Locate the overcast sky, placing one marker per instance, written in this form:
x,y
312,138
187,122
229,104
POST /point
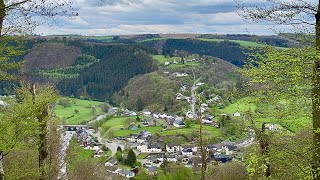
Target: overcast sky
x,y
115,17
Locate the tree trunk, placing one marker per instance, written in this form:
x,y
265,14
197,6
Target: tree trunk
x,y
316,101
2,176
2,15
203,152
42,150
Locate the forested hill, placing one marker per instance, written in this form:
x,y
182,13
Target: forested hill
x,y
111,73
88,70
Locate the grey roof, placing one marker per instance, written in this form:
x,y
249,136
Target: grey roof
x,y
152,169
187,150
158,145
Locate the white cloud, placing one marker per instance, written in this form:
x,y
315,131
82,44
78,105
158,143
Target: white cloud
x,y
106,17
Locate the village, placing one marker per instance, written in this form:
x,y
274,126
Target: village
x,y
151,153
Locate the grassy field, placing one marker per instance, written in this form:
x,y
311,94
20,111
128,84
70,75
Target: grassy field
x,y
210,130
116,123
292,124
242,105
84,108
160,58
242,43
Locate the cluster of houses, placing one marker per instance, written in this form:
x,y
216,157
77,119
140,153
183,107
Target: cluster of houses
x,y
187,155
89,143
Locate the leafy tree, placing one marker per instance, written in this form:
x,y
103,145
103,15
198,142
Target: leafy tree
x,y
94,110
128,122
297,12
28,119
140,104
65,102
138,119
131,158
119,154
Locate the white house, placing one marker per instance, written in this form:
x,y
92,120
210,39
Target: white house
x,y
171,158
125,173
187,152
156,147
237,114
2,103
167,63
189,115
111,162
172,148
143,148
272,127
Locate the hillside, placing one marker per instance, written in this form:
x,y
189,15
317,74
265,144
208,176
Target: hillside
x,y
51,55
158,90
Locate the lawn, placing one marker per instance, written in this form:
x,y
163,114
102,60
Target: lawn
x,y
116,123
242,105
213,131
84,113
160,58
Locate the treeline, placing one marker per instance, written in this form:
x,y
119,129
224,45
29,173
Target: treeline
x,y
117,65
269,40
226,50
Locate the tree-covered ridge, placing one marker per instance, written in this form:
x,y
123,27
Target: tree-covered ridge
x,y
117,65
229,51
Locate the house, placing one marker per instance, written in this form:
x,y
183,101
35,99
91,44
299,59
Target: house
x,y
155,115
111,162
272,127
189,115
127,112
132,138
143,147
156,147
112,169
187,152
2,103
170,121
173,148
125,173
167,63
144,133
237,114
133,127
157,156
222,158
152,170
179,124
146,113
171,158
148,122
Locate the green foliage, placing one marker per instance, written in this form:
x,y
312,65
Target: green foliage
x,y
65,102
11,49
116,66
82,116
140,105
176,172
131,158
119,155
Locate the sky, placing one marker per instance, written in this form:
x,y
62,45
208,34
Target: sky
x,y
118,17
